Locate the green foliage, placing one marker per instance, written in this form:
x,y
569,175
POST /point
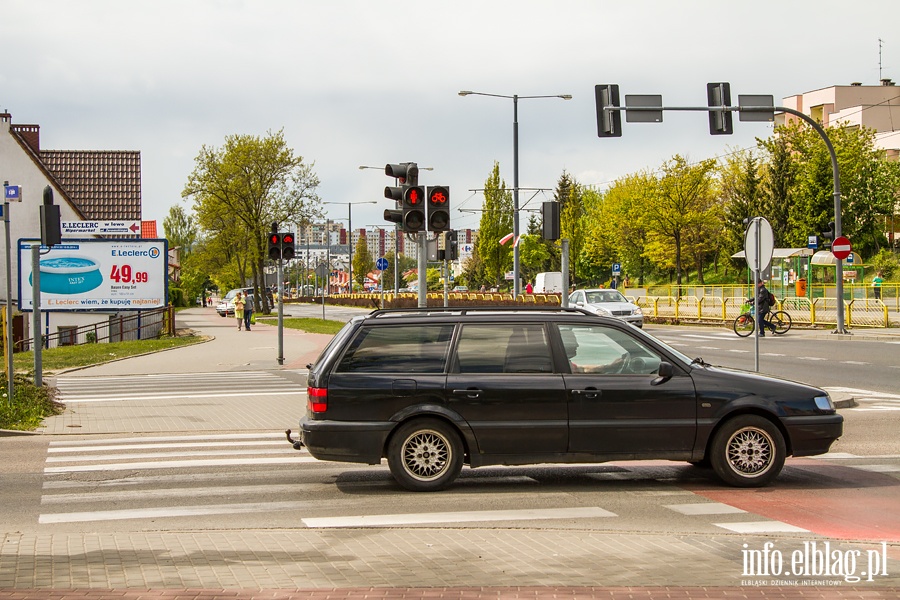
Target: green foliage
x,y
887,263
309,325
176,297
69,357
362,262
493,259
28,407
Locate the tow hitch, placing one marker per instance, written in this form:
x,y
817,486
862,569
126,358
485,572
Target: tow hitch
x,y
297,444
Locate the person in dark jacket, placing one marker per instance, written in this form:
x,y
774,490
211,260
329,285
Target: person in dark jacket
x,y
249,307
762,308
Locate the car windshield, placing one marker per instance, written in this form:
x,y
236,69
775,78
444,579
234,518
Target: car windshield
x,y
602,296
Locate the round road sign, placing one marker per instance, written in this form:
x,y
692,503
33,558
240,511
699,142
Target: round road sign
x,y
841,248
382,264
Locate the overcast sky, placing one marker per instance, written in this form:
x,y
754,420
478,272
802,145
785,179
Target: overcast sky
x,y
369,82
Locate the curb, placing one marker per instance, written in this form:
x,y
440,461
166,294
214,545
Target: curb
x,y
106,362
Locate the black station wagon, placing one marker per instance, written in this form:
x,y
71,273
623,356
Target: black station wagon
x,y
433,389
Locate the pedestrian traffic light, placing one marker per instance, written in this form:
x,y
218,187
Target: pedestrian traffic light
x,y
609,122
51,233
274,245
438,208
287,246
720,121
413,209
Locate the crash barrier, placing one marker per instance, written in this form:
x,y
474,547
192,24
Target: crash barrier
x,y
817,311
140,325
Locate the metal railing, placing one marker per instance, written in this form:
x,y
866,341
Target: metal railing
x,y
142,325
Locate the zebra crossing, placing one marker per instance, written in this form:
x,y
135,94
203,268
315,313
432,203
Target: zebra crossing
x,y
169,386
260,476
870,400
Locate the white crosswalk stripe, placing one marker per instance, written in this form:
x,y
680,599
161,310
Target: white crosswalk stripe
x,y
73,389
870,400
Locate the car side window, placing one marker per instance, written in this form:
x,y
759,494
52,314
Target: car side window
x,y
516,348
398,348
576,297
608,350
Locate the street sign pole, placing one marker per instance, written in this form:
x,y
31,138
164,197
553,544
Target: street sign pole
x,y
37,343
280,303
10,370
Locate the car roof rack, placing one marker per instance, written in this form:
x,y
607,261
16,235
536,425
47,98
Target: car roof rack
x,y
464,310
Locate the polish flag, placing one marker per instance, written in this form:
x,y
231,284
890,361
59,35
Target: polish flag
x,y
506,238
517,241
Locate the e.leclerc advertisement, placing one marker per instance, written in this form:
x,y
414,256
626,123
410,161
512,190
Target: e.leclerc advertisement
x,y
96,275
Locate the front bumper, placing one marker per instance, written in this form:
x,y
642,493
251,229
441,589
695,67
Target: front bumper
x,y
810,436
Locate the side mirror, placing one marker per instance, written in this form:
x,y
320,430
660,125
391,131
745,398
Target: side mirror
x,y
665,373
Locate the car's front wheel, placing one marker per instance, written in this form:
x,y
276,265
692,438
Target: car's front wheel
x,y
425,455
748,451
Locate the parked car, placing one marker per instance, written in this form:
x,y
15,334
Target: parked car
x,y
608,303
433,389
461,288
225,307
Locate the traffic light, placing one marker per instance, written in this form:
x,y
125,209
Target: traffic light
x,y
50,228
550,214
828,234
287,246
609,122
452,243
438,208
275,245
720,122
413,209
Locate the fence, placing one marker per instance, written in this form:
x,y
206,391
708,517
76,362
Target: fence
x,y
141,325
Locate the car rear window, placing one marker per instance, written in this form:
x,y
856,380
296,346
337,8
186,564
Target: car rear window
x,y
398,348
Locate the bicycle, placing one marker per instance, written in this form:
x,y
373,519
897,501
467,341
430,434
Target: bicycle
x,y
745,322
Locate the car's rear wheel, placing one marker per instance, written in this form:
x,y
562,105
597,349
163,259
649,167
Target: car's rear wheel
x,y
748,451
425,455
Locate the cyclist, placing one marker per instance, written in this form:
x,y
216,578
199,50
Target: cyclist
x,y
763,307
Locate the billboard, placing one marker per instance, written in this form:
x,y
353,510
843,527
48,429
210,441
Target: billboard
x,y
96,274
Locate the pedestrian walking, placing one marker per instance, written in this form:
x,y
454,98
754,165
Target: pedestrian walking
x,y
249,306
239,309
877,281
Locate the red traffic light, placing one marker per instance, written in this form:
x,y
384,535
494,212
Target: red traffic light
x,y
287,238
437,196
412,196
274,238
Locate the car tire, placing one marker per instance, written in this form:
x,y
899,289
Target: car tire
x,y
425,455
748,451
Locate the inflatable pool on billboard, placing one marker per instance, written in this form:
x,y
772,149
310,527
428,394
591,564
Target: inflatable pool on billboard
x,y
69,275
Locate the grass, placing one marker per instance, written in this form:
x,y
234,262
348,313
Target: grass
x,y
69,357
309,325
29,407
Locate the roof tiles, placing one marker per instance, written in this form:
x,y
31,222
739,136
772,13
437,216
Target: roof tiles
x,y
103,184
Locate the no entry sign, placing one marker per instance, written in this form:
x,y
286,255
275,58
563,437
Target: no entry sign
x,y
841,248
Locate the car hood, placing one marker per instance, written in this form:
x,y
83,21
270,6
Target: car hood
x,y
737,383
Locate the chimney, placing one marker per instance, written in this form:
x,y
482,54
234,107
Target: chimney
x,y
887,82
31,134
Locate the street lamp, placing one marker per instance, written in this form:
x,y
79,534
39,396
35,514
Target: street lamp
x,y
396,232
515,98
350,236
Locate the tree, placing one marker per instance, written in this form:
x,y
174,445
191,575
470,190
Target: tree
x,y
680,205
362,262
387,276
741,194
496,222
239,190
180,230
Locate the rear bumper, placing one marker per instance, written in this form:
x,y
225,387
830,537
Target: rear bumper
x,y
345,441
813,435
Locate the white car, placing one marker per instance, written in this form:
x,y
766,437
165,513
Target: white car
x,y
225,307
608,303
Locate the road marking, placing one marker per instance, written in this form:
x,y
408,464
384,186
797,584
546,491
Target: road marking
x,y
705,508
284,449
189,492
183,464
172,438
137,446
854,362
181,511
738,351
879,468
810,358
69,399
761,527
587,512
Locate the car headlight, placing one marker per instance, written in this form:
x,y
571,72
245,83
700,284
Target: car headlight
x,y
602,311
637,311
824,402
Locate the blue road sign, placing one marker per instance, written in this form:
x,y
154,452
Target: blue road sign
x,y
13,193
617,268
382,264
812,242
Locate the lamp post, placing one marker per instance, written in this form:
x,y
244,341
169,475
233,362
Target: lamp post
x,y
396,232
350,237
515,98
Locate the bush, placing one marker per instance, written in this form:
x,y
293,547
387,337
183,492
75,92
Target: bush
x,y
30,405
176,297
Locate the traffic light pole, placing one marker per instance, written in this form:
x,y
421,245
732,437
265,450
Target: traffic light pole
x,y
36,312
10,370
280,303
423,266
836,177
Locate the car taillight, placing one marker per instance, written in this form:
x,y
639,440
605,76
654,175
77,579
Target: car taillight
x,y
317,399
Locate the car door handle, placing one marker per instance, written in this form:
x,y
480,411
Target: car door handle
x,y
469,393
588,393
